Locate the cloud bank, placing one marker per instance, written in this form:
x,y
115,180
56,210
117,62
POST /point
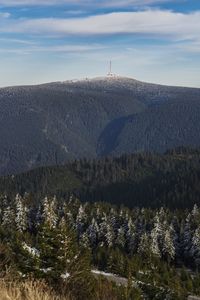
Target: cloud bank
x,y
151,22
111,3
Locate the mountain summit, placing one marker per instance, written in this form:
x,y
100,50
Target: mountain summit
x,y
51,123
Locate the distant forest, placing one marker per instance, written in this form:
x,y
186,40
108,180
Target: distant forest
x,y
54,123
152,180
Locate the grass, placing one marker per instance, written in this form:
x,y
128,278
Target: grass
x,y
39,290
28,290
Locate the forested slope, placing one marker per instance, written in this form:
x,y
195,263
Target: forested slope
x,y
52,123
145,180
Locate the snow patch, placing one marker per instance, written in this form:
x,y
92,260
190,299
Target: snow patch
x,y
65,275
46,270
63,147
33,251
103,273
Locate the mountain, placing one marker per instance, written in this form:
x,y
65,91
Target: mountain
x,y
51,123
160,127
171,180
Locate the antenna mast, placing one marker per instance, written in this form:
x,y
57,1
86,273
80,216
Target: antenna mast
x,y
110,74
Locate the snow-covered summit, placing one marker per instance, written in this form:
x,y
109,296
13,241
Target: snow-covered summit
x,y
112,77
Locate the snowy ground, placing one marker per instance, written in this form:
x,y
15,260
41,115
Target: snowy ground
x,y
124,281
111,277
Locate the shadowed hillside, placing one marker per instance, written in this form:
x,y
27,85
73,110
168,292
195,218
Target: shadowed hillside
x,y
52,123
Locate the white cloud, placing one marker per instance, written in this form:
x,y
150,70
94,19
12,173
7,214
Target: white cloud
x,y
111,3
124,3
144,61
16,41
150,22
4,15
69,48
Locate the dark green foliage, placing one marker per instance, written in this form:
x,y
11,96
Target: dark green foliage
x,y
143,180
62,241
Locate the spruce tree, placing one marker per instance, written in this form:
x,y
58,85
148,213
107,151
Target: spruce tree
x,y
21,216
196,247
168,249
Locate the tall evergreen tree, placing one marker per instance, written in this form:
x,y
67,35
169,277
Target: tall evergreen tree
x,y
195,249
168,249
156,235
131,237
49,214
21,218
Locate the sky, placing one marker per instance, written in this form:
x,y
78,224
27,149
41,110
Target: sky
x,y
56,40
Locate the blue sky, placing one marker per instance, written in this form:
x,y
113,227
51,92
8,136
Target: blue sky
x,y
56,40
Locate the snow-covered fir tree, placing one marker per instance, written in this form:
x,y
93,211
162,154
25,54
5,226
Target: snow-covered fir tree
x,y
93,231
84,240
195,211
131,237
195,249
103,229
120,240
156,235
143,246
187,238
110,235
21,218
168,249
81,220
49,214
8,217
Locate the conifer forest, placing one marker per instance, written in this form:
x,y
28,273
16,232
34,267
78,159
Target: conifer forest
x,y
53,238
